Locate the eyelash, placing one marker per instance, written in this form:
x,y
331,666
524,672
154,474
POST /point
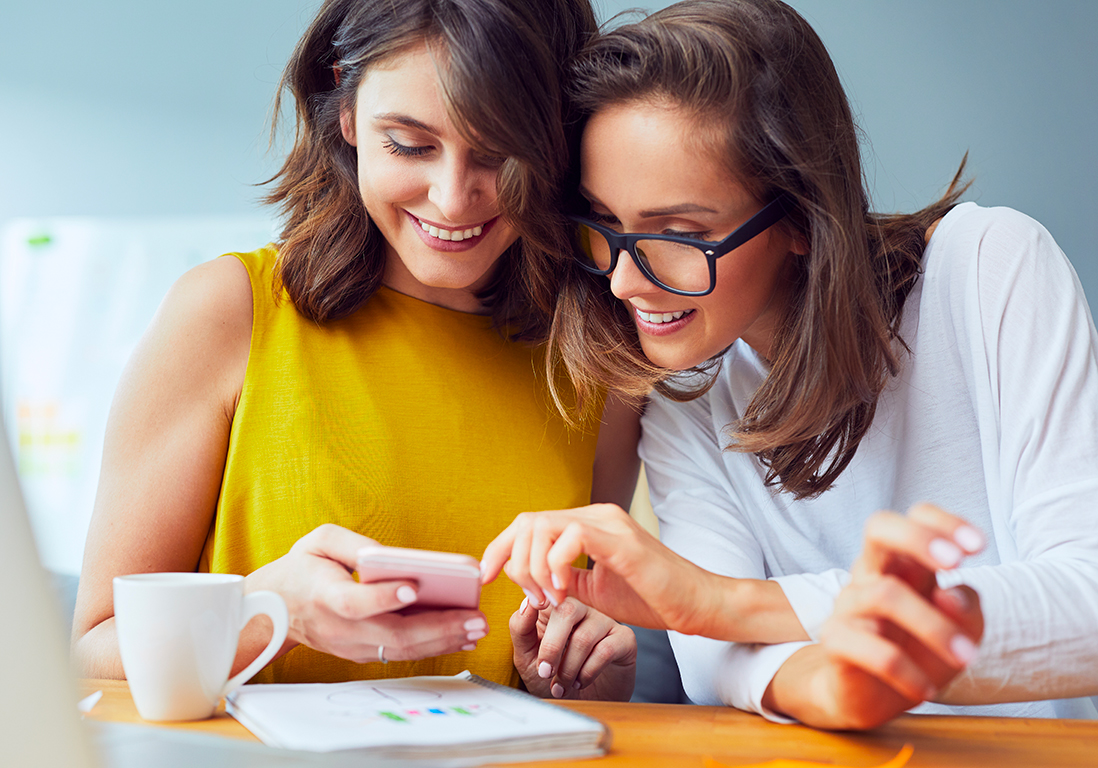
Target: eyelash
x,y
609,221
603,218
395,148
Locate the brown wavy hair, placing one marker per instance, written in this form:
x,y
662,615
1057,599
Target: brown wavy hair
x,y
501,64
757,78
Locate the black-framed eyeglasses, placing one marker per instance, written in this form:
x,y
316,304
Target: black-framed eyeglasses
x,y
686,266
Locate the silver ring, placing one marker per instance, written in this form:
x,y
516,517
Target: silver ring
x,y
381,654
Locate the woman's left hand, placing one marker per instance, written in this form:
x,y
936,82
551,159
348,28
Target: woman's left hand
x,y
895,638
573,651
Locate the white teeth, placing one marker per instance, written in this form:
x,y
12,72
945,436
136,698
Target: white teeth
x,y
450,234
661,317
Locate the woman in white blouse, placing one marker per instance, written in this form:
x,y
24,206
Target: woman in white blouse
x,y
834,363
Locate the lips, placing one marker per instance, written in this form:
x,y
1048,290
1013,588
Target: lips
x,y
454,239
661,323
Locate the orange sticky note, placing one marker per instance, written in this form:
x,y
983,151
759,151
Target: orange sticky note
x,y
898,761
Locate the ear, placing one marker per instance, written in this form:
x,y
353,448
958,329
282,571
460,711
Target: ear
x,y
799,244
347,125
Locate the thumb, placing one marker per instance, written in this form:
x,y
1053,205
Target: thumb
x,y
524,632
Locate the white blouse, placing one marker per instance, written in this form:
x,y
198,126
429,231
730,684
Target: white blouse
x,y
994,417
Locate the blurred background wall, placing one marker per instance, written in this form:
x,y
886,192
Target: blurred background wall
x,y
126,109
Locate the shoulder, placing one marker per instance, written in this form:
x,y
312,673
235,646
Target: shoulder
x,y
992,255
216,295
201,334
972,237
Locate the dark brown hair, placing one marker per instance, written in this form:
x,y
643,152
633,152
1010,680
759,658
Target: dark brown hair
x,y
758,78
501,64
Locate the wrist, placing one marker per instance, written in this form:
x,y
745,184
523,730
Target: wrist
x,y
792,691
751,611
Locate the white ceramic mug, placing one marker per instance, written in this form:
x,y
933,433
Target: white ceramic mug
x,y
178,633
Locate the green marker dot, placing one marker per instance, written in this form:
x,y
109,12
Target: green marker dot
x,y
39,240
394,716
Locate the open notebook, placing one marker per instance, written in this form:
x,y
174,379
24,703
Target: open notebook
x,y
463,720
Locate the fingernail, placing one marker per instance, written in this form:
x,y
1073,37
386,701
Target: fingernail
x,y
576,685
557,690
469,647
945,552
964,650
545,670
473,636
552,600
406,594
535,601
475,623
556,582
522,608
970,539
960,597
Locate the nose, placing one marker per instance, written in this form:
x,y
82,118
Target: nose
x,y
627,281
458,187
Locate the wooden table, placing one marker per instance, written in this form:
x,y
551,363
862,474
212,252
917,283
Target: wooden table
x,y
680,736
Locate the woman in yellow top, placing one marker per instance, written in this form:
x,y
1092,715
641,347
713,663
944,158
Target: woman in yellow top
x,y
377,375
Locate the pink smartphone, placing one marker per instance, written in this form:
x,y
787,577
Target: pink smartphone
x,y
445,579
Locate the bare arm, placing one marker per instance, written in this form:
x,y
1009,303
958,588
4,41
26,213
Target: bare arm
x,y
165,448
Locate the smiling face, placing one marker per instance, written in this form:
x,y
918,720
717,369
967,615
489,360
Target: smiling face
x,y
432,196
641,173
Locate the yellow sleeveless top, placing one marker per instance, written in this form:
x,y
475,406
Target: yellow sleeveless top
x,y
415,425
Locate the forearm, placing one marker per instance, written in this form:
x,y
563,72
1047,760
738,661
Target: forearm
x,y
751,611
1041,618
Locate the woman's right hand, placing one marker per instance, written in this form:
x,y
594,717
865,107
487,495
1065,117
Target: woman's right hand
x,y
635,579
332,612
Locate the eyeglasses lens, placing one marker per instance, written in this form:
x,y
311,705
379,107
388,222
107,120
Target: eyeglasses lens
x,y
676,265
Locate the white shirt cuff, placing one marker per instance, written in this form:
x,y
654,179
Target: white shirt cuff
x,y
812,596
745,673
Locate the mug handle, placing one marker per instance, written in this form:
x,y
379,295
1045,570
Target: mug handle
x,y
255,603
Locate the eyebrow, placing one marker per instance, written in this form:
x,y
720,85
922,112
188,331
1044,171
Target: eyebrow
x,y
673,210
410,122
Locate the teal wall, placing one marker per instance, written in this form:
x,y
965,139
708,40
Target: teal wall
x,y
125,107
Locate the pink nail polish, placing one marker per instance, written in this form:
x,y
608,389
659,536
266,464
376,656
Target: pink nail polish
x,y
556,582
469,647
473,624
545,670
557,690
970,539
477,635
964,650
945,552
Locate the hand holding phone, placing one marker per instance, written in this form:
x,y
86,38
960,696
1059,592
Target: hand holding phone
x,y
445,579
